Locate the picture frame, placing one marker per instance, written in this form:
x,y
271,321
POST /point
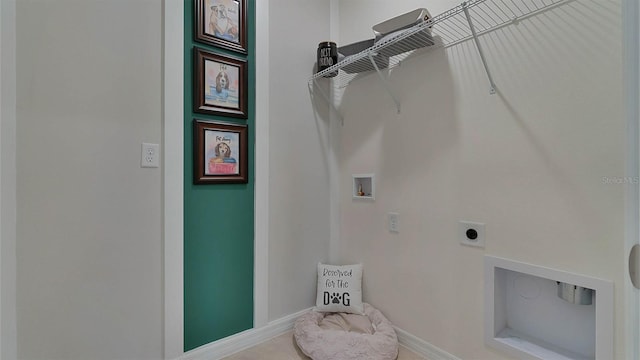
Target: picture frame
x,y
220,153
222,23
221,84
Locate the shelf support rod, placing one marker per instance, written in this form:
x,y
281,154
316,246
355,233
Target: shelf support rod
x,y
326,98
385,84
465,8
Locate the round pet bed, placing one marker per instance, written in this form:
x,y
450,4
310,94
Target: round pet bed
x,y
342,336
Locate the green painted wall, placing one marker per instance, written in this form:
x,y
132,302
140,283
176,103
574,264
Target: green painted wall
x,y
218,221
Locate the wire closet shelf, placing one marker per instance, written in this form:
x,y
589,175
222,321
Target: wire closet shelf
x,y
466,21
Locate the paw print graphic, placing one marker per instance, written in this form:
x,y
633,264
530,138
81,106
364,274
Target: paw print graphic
x,y
335,298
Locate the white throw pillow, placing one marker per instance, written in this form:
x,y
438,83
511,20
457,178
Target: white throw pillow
x,y
339,289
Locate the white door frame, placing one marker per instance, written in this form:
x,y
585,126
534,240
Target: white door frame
x,y
173,135
173,178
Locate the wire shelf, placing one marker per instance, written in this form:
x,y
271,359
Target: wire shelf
x,y
461,23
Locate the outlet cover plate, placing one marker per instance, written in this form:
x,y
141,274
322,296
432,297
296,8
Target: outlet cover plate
x,y
150,155
471,233
393,222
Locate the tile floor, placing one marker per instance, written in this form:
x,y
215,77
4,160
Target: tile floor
x,y
284,347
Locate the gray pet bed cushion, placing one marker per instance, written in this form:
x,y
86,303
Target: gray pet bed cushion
x,y
341,336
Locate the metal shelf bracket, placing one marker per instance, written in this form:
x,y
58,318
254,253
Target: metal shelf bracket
x,y
325,96
492,85
384,82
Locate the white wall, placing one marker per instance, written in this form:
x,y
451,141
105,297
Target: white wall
x,y
89,218
8,342
519,161
529,162
631,45
298,164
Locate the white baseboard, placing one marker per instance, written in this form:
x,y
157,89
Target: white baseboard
x,y
422,347
246,339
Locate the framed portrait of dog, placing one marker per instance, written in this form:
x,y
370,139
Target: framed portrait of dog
x,y
220,152
221,84
222,23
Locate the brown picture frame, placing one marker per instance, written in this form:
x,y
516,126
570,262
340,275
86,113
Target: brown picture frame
x,y
222,23
211,95
220,153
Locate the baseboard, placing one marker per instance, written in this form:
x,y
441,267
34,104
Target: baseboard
x,y
422,347
246,339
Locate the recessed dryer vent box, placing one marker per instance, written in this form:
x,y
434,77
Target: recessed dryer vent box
x,y
530,314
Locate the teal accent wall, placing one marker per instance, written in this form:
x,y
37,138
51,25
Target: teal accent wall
x,y
218,220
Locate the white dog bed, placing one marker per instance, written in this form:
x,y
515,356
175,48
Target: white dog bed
x,y
344,336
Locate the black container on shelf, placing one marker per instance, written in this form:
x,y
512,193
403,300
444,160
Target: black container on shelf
x,y
327,57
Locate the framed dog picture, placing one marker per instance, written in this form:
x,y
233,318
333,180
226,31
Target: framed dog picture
x,y
222,23
221,84
220,152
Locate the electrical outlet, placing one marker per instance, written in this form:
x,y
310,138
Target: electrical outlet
x,y
150,157
471,233
393,222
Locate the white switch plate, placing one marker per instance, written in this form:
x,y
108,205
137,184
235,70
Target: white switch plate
x,y
471,233
150,156
393,222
